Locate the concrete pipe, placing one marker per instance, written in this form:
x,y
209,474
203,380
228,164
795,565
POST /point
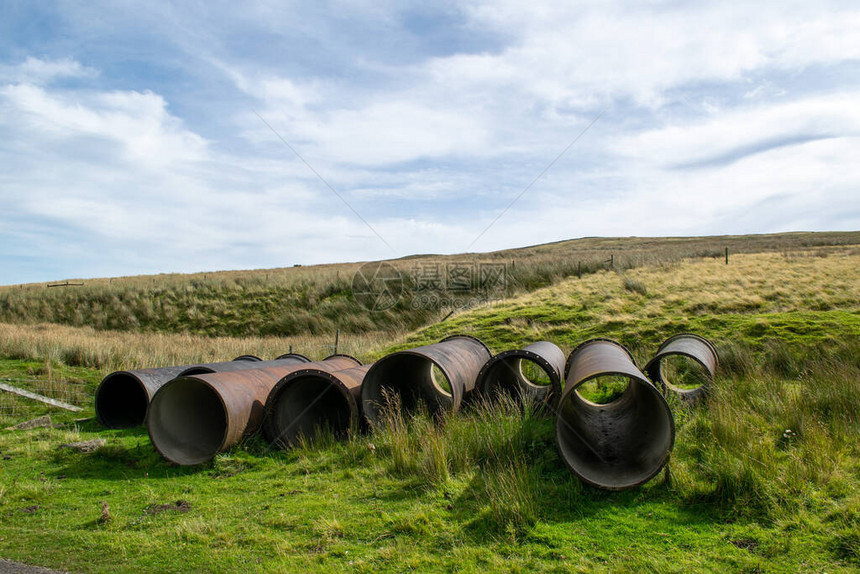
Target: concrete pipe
x,y
620,444
409,375
685,364
309,400
192,418
533,373
123,396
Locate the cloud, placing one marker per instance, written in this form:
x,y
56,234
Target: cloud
x,y
726,136
143,151
41,72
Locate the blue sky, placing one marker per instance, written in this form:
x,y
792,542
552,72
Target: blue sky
x,y
131,138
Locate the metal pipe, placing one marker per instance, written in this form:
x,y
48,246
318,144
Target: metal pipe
x,y
122,397
192,418
242,363
693,347
504,373
408,375
617,445
309,400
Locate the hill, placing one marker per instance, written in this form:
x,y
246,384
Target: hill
x,y
316,300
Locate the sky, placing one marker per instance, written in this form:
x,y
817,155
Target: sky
x,y
153,137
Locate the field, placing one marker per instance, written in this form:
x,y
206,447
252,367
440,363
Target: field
x,y
765,476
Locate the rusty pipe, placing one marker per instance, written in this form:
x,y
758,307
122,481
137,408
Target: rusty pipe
x,y
409,376
194,417
504,373
122,397
242,363
693,347
621,444
310,399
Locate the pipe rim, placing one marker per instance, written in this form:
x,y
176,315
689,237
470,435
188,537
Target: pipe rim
x,y
334,355
225,411
483,381
303,358
269,427
660,400
371,405
654,370
99,396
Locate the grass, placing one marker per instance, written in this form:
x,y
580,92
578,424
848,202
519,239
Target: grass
x,y
765,476
318,300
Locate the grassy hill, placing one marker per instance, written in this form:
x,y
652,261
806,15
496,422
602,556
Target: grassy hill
x,y
485,490
318,300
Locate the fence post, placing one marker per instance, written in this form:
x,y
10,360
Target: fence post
x,y
579,269
727,255
336,340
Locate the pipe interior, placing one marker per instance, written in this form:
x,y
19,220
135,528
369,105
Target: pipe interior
x,y
620,444
121,401
308,405
683,372
603,389
187,421
517,377
407,379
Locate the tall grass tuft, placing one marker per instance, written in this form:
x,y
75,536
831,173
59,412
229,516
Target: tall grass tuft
x,y
765,444
503,439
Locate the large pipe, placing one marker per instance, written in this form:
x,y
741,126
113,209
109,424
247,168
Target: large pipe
x,y
409,376
192,418
504,373
123,396
242,363
310,399
617,445
693,347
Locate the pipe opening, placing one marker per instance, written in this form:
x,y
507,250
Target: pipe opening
x,y
516,377
603,389
187,421
408,381
616,445
533,374
440,381
683,373
121,401
307,407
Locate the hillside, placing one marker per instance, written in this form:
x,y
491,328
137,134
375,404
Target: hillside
x,y
318,300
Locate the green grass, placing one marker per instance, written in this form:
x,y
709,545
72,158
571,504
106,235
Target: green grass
x,y
483,490
765,475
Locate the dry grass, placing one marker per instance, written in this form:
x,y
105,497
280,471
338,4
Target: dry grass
x,y
319,299
112,350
